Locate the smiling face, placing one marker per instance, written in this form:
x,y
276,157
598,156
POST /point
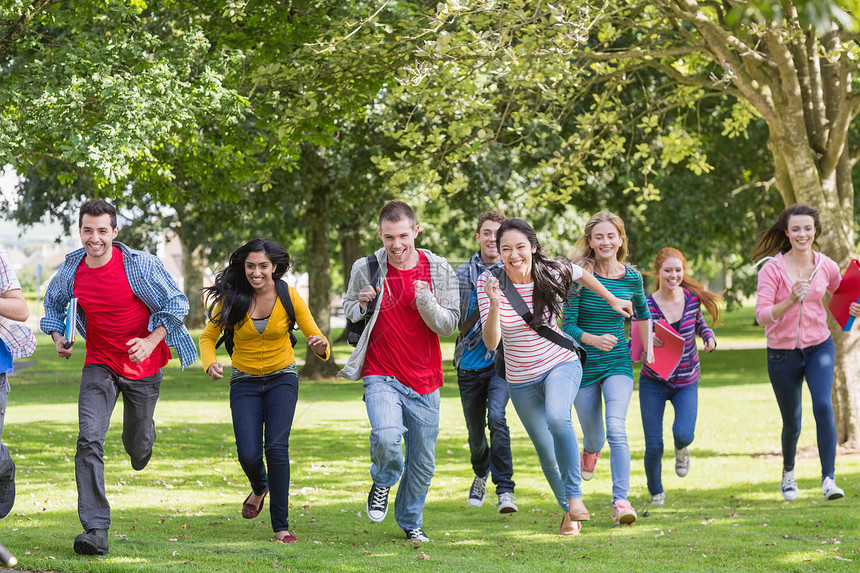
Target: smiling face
x,y
605,240
517,251
398,238
97,237
671,273
487,241
258,270
800,232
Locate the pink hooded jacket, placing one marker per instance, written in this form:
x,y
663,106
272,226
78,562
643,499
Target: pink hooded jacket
x,y
805,323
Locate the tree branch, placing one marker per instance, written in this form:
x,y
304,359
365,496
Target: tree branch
x,y
19,26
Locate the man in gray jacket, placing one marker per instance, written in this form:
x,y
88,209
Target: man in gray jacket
x,y
399,358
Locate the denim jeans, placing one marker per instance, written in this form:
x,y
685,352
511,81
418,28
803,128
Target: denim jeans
x,y
100,388
653,396
786,369
544,407
4,398
266,405
484,395
615,392
399,414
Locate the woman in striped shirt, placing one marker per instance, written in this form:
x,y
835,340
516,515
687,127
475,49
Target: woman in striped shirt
x,y
678,299
608,373
543,377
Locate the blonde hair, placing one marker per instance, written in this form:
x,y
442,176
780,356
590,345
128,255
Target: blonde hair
x,y
583,254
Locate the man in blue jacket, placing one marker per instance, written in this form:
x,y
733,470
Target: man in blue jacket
x,y
483,393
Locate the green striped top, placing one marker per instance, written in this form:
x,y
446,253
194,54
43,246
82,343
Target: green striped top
x,y
585,311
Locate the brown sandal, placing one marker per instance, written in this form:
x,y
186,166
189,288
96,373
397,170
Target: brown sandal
x,y
568,527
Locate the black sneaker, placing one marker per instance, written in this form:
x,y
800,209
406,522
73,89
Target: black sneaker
x,y
93,542
138,465
7,488
478,491
417,535
377,503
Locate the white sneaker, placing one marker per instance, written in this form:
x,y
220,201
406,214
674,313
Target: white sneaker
x,y
682,462
658,498
829,489
789,486
506,503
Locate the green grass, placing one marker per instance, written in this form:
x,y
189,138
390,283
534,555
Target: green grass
x,y
182,512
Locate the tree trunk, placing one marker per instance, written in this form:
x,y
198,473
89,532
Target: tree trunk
x,y
318,256
193,263
350,250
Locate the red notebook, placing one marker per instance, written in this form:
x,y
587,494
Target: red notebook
x,y
668,356
848,292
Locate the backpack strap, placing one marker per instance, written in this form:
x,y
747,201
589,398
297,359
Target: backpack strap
x,y
522,309
373,267
287,301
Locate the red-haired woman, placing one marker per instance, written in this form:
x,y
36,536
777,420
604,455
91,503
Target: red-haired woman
x,y
678,299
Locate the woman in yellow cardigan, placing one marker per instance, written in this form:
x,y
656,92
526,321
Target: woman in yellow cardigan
x,y
264,383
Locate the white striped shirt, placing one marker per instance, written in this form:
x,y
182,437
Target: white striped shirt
x,y
528,355
17,335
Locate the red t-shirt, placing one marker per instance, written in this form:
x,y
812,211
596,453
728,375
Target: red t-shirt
x,y
401,345
115,316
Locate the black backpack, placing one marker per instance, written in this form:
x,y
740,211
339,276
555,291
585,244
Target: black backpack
x,y
355,329
283,294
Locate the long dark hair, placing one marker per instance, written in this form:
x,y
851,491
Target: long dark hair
x,y
232,291
774,240
549,292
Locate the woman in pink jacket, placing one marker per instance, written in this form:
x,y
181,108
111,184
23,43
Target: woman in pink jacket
x,y
791,288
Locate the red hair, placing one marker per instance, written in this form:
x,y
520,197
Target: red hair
x,y
709,299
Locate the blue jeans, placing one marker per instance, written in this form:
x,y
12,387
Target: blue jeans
x,y
399,414
615,391
99,390
786,369
484,395
653,396
267,404
544,407
5,456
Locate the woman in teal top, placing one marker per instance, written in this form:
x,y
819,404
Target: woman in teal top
x,y
608,373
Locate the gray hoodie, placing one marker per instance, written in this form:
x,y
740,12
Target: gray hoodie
x,y
440,308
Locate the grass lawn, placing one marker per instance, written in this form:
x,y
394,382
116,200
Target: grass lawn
x,y
182,513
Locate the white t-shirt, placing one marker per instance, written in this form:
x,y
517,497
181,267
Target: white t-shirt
x,y
528,355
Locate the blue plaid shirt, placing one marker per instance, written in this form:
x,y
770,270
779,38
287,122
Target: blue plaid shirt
x,y
149,282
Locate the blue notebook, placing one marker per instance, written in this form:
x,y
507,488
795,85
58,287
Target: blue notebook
x,y
71,322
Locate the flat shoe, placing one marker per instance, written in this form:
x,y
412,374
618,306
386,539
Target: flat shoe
x,y
568,528
288,538
577,510
249,510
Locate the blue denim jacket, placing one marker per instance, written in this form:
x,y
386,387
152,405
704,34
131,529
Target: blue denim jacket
x,y
149,282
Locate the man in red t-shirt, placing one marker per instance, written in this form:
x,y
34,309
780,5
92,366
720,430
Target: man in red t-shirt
x,y
127,305
400,360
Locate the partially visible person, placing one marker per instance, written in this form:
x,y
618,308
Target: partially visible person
x,y
245,301
791,289
678,299
608,373
483,393
129,310
399,357
16,341
543,376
